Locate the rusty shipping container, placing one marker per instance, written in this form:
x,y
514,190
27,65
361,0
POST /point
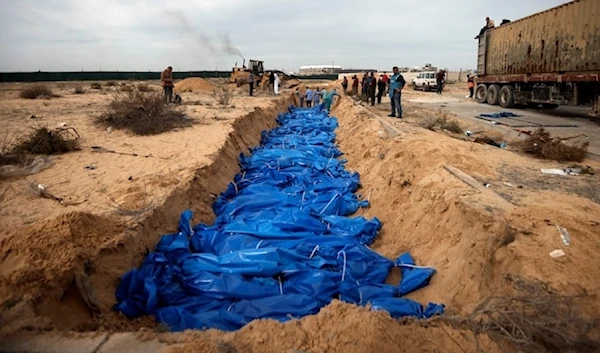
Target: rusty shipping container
x,y
562,40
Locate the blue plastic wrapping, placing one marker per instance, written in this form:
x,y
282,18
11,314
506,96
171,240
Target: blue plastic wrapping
x,y
282,245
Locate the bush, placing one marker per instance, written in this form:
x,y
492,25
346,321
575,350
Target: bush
x,y
143,114
142,87
111,84
44,141
96,85
126,88
223,96
36,91
443,123
78,90
541,144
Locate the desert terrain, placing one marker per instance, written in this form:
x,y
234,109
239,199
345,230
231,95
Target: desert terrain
x,y
486,218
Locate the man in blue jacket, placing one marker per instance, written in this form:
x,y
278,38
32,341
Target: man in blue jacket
x,y
397,83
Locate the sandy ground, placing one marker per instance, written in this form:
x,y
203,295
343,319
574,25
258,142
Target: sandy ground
x,y
477,238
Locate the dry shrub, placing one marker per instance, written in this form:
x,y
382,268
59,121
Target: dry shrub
x,y
78,90
223,96
96,85
126,88
541,144
143,114
36,91
111,84
443,123
535,319
142,87
44,141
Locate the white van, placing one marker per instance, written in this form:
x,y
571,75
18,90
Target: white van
x,y
425,81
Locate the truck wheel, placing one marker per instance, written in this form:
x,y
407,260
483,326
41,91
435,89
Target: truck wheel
x,y
507,97
493,94
414,86
549,106
481,93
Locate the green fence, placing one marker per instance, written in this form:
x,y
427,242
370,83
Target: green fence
x,y
121,75
101,75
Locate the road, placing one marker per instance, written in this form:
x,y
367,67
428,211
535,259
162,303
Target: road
x,y
564,121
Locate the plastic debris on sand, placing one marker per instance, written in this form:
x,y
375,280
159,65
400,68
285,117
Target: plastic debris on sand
x,y
282,245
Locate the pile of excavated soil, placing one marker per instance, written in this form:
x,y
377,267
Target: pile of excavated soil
x,y
337,328
62,269
194,84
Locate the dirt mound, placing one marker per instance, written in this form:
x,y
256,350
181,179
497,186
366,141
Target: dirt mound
x,y
339,327
194,84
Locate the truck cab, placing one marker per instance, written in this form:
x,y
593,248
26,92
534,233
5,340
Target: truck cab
x,y
425,81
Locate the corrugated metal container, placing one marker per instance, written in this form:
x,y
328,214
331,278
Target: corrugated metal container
x,y
559,40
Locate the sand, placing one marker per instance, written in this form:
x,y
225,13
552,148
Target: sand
x,y
474,238
194,84
124,204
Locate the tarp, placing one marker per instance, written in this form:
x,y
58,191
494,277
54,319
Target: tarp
x,y
282,245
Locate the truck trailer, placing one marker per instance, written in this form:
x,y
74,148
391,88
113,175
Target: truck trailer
x,y
550,58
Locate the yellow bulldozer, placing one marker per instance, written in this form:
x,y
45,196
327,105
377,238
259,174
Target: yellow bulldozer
x,y
239,75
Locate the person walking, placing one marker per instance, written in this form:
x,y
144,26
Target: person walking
x,y
251,80
372,88
309,97
166,79
440,80
345,85
276,82
471,85
272,82
316,97
300,97
397,83
355,85
329,99
381,86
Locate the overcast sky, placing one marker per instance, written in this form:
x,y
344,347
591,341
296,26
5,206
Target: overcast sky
x,y
142,35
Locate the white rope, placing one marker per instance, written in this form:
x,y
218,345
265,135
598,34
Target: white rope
x,y
231,306
260,242
343,268
412,266
314,251
280,285
235,186
329,203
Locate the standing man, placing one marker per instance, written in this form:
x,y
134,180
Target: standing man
x,y
397,83
355,86
251,80
309,97
276,84
372,88
300,97
345,85
166,79
440,79
316,97
381,86
471,85
272,81
386,80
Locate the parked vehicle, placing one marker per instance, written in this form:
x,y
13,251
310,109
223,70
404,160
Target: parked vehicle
x,y
425,81
550,58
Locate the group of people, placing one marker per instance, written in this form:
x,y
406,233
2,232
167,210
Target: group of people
x,y
274,82
313,97
373,88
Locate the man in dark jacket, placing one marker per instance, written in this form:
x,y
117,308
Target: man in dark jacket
x,y
397,83
440,78
272,81
381,86
372,88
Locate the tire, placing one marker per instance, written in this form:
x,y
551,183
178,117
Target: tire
x,y
414,86
549,106
493,94
481,93
507,97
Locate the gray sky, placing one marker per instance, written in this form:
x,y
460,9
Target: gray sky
x,y
141,35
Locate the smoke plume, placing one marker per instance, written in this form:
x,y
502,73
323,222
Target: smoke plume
x,y
226,46
181,22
